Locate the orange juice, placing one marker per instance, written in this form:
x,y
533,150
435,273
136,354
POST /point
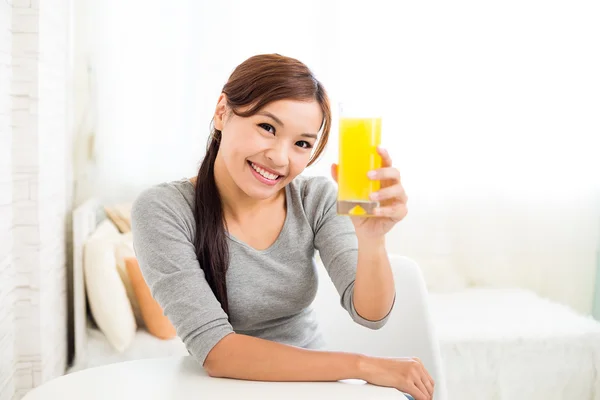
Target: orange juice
x,y
358,141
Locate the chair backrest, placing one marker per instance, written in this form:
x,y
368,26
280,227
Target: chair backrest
x,y
409,331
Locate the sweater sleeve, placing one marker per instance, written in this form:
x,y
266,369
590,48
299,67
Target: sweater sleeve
x,y
335,239
166,255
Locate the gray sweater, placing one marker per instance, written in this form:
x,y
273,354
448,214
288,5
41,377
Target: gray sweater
x,y
270,291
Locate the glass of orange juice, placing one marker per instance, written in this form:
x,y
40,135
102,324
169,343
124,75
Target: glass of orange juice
x,y
359,136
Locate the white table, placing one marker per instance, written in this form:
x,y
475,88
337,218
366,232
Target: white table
x,y
182,378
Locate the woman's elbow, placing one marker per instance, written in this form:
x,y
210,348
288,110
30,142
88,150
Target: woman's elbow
x,y
373,325
214,363
213,367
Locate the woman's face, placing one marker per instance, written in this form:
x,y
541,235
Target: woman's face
x,y
264,152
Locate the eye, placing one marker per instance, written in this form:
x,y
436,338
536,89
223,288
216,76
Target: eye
x,y
304,144
267,127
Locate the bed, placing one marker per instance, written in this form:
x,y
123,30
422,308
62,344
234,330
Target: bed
x,y
495,343
512,344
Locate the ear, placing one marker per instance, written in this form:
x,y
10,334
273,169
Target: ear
x,y
220,111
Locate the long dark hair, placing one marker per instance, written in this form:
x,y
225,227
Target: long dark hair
x,y
256,82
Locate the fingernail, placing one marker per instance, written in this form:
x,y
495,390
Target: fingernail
x,y
371,174
374,196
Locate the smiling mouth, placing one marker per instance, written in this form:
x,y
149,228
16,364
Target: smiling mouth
x,y
262,172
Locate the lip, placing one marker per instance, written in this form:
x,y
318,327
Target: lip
x,y
262,179
272,171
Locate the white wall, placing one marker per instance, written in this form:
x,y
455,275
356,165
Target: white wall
x,y
488,110
55,180
83,107
7,269
35,183
491,120
155,86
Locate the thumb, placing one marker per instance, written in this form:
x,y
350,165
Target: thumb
x,y
334,172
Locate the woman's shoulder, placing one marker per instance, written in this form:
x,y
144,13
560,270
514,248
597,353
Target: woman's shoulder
x,y
317,193
173,197
311,185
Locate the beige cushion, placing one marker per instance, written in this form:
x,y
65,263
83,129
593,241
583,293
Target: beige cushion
x,y
156,321
120,215
106,292
123,250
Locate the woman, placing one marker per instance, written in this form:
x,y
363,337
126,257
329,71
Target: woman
x,y
229,254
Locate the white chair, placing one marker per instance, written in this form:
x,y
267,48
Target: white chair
x,y
409,331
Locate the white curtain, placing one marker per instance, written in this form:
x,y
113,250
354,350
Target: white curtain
x,y
490,110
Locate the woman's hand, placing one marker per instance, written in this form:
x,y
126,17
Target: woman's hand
x,y
391,196
405,374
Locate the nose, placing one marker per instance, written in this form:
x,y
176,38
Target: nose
x,y
278,154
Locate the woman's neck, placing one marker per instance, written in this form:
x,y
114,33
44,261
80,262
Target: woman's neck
x,y
236,203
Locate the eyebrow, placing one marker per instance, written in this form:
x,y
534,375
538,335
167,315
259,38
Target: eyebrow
x,y
268,114
274,118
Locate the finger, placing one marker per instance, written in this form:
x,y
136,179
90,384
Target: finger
x,y
386,160
417,393
391,192
384,174
427,379
423,388
334,172
396,211
430,380
428,385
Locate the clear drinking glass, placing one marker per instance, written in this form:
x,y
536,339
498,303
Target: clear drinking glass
x,y
359,136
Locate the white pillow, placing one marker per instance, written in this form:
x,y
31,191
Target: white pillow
x,y
106,292
105,229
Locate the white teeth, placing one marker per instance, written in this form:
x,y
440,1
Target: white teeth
x,y
264,173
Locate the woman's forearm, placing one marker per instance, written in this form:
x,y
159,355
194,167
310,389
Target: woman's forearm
x,y
244,357
374,288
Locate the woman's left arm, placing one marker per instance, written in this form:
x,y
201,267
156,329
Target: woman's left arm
x,y
374,289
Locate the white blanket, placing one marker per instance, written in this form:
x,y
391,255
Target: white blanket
x,y
144,345
511,344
